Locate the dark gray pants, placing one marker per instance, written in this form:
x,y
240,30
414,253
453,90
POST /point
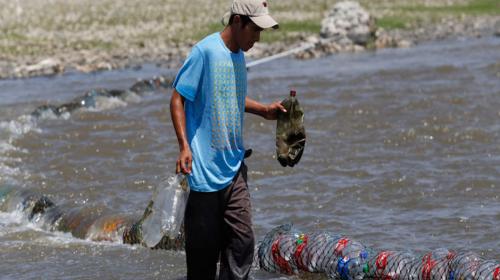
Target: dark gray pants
x,y
219,226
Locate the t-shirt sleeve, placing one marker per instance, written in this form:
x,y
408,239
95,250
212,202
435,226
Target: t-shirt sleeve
x,y
189,78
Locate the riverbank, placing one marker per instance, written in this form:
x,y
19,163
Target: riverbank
x,y
51,37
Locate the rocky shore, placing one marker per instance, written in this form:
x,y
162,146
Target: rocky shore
x,y
346,27
349,27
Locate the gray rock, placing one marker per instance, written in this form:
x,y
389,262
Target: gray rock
x,y
349,23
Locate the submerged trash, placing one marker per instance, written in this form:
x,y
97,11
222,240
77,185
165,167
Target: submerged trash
x,y
167,211
290,132
43,110
145,86
90,98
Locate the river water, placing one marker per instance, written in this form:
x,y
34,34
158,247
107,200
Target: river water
x,y
402,153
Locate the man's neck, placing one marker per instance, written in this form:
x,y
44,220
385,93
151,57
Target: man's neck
x,y
228,39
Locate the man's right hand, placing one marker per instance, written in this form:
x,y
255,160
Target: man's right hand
x,y
184,161
178,115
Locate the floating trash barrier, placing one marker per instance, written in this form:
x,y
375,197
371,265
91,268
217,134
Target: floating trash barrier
x,y
284,249
87,222
90,98
91,223
289,251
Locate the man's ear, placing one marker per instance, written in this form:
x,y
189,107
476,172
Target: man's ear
x,y
237,20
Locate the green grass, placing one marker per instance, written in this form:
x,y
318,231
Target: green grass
x,y
478,7
485,6
18,44
7,35
40,46
392,22
290,29
404,16
475,7
90,44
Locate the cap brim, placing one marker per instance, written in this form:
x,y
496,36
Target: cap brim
x,y
265,21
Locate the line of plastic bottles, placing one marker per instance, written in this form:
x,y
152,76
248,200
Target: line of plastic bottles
x,y
283,250
89,98
289,251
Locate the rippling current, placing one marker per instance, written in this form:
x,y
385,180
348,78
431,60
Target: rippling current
x,y
403,153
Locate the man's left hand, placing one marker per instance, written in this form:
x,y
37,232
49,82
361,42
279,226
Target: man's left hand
x,y
272,110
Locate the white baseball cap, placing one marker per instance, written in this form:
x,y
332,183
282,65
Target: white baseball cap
x,y
256,10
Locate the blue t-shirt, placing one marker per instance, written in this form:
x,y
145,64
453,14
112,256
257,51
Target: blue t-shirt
x,y
213,82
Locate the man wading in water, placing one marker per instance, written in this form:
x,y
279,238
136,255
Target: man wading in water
x,y
207,107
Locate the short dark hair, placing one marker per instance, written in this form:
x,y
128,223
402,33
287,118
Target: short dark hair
x,y
244,19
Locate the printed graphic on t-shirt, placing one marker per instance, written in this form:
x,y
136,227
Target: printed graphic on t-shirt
x,y
228,105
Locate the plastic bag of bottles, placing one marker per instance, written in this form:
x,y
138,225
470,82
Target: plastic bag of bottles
x,y
167,213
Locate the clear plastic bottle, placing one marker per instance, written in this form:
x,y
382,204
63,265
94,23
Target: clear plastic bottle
x,y
169,203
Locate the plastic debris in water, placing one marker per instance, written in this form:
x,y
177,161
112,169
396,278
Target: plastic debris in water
x,y
167,212
290,132
151,85
89,98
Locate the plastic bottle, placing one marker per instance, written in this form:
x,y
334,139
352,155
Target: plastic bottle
x,y
290,132
169,203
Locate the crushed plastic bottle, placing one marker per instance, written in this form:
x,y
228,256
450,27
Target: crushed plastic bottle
x,y
290,132
167,213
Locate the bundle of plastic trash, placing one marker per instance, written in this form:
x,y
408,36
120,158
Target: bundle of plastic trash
x,y
290,132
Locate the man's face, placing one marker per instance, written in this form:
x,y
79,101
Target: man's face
x,y
248,35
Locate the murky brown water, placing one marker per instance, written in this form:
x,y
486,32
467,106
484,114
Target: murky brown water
x,y
403,153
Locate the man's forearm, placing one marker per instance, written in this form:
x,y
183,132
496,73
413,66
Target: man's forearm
x,y
179,119
254,107
267,111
